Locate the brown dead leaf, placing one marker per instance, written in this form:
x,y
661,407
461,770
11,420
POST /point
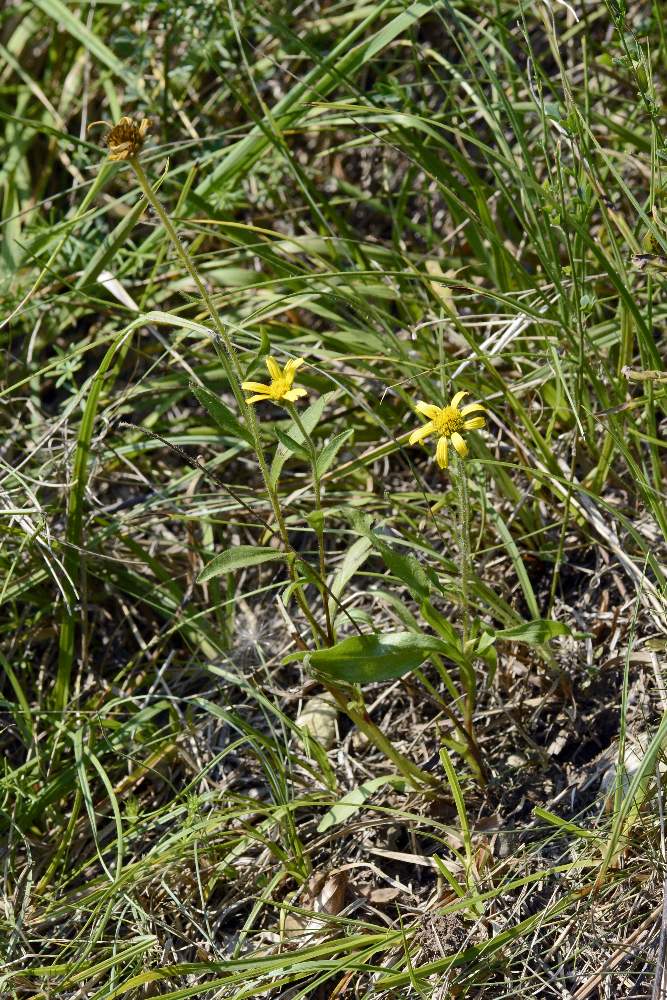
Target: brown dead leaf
x,y
385,895
327,892
324,893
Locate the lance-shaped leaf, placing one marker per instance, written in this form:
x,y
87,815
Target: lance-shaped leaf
x,y
238,558
363,659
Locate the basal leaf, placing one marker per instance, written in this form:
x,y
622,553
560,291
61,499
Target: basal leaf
x,y
363,659
534,633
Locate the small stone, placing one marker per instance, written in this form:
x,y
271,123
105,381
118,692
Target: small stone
x,y
319,717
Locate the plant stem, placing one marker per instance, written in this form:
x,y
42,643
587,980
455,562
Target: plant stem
x,y
319,523
230,361
231,358
231,364
374,734
464,529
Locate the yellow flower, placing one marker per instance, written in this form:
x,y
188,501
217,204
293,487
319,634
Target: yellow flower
x,y
126,138
448,422
281,383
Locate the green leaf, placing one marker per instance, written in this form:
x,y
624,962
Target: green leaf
x,y
445,629
360,521
327,455
352,801
221,413
310,418
237,558
406,567
418,580
534,633
354,558
451,645
563,824
315,519
67,20
291,445
362,659
486,641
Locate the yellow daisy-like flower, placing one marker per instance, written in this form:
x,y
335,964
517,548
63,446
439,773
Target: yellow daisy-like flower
x,y
281,383
448,422
126,138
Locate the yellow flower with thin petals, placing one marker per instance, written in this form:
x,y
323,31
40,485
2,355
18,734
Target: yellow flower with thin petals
x,y
280,388
448,422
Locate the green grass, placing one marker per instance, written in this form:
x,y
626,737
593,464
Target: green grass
x,y
415,198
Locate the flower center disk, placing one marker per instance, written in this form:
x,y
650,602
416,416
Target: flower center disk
x,y
279,386
448,421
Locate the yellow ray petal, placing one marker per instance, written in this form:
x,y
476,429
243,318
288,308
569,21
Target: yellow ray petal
x,y
474,424
458,397
428,409
441,452
292,365
459,444
472,408
295,394
257,399
255,387
273,367
421,433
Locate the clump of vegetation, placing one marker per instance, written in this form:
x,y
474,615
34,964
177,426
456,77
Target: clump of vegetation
x,y
303,698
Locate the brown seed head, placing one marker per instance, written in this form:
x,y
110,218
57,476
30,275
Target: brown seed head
x,y
126,138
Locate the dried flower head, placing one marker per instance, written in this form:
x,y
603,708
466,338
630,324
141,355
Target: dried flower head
x,y
126,138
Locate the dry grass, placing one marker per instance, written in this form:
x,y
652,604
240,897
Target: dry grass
x,y
416,199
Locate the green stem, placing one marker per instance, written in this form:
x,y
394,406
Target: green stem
x,y
319,524
231,359
231,364
358,715
464,528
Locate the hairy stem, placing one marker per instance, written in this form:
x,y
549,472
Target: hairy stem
x,y
319,524
231,364
464,527
465,567
358,715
